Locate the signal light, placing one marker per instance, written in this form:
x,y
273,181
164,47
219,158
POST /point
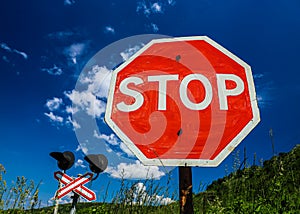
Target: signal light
x,y
65,160
98,163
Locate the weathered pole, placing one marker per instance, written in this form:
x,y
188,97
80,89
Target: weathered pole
x,y
185,190
75,198
56,199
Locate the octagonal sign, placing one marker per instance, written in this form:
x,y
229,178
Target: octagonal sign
x,y
182,102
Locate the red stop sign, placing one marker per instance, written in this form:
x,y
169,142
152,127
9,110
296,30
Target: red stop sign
x,y
182,102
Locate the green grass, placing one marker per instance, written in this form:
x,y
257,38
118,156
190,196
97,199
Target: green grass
x,y
270,187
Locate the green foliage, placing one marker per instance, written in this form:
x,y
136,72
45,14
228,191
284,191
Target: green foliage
x,y
134,197
272,187
2,185
22,195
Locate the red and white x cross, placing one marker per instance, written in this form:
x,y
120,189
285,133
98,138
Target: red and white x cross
x,y
75,185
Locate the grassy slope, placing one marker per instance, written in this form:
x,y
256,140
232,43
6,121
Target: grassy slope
x,y
271,188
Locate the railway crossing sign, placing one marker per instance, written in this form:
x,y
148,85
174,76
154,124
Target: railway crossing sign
x,y
182,102
76,185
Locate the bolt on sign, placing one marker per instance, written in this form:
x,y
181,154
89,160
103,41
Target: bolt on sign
x,y
182,102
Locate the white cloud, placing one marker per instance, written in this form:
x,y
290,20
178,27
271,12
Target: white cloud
x,y
111,139
148,8
73,123
109,150
171,2
23,54
109,29
259,98
5,59
80,163
141,6
258,76
88,102
65,200
153,27
69,2
71,109
164,200
156,7
135,171
4,46
54,103
61,35
130,51
142,196
74,51
56,71
54,118
125,149
264,90
98,80
97,83
82,147
114,141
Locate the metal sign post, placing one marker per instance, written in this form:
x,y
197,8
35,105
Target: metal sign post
x,y
75,198
185,190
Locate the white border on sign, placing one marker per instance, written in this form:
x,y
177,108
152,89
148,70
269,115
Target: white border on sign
x,y
185,162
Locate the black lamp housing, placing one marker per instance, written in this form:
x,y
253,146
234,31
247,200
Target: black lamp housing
x,y
65,160
98,162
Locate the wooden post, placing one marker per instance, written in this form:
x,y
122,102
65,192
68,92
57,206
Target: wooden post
x,y
185,190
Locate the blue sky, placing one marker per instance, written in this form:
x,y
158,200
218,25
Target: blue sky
x,y
44,45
